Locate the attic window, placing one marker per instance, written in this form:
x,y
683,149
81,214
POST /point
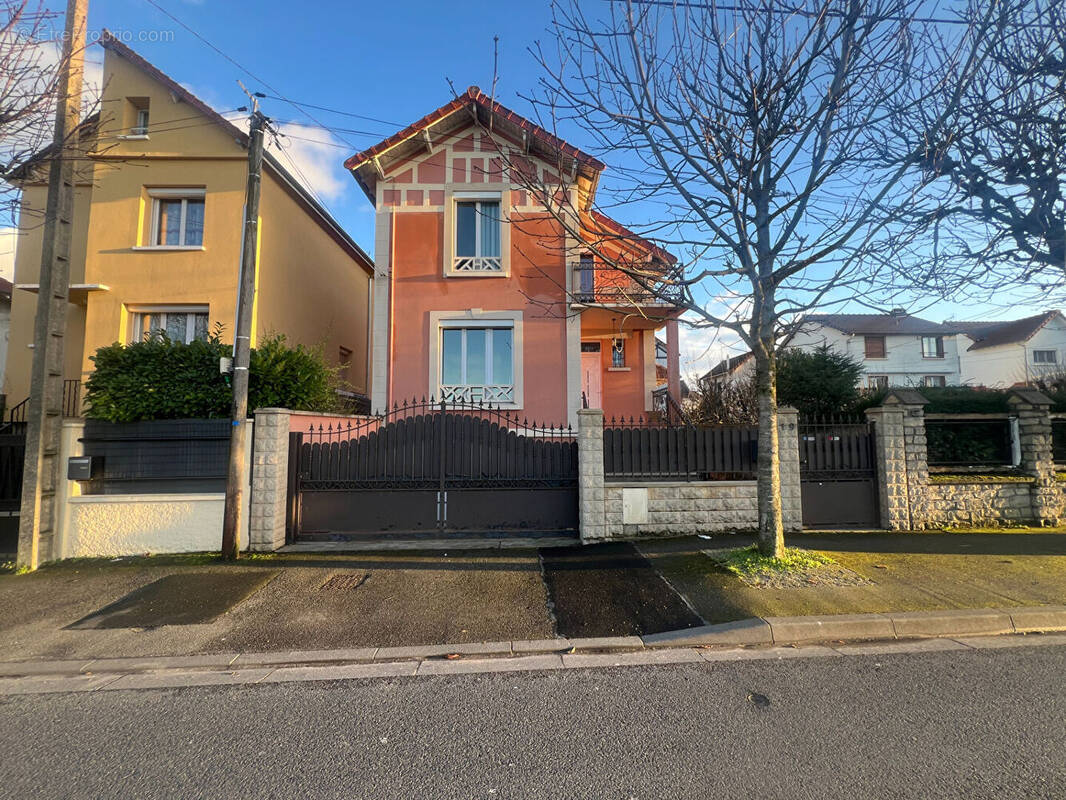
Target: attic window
x,y
138,116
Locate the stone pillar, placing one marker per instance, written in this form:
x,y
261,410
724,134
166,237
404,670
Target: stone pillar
x,y
1033,410
907,406
590,489
890,459
788,447
270,473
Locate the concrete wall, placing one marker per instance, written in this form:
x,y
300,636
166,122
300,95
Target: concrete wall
x,y
135,524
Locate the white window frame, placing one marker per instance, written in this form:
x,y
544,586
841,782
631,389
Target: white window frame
x,y
140,126
1054,357
872,381
938,352
451,200
476,318
136,313
157,196
934,381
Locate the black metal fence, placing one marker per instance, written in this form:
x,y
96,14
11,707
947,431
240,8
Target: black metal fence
x,y
835,447
12,455
423,443
647,451
1058,440
160,456
969,441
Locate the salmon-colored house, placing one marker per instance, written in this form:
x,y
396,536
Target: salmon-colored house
x,y
484,296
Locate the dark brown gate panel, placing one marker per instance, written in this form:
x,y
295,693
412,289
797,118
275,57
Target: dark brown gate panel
x,y
431,467
838,479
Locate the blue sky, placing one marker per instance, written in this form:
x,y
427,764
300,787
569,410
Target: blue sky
x,y
389,61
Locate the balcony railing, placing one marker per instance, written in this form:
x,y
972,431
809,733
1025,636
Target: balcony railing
x,y
602,284
477,264
477,394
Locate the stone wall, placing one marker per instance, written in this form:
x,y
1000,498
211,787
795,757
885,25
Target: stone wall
x,y
975,503
673,509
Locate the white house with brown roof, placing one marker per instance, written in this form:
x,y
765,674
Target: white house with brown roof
x,y
895,349
1004,353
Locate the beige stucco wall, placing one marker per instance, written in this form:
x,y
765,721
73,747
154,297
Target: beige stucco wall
x,y
310,288
331,308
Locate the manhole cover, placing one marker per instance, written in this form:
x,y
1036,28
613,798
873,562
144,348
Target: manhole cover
x,y
343,582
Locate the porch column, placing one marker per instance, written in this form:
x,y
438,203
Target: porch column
x,y
1038,459
592,509
673,362
270,472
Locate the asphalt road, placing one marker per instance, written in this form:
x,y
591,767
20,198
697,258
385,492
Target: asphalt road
x,y
974,724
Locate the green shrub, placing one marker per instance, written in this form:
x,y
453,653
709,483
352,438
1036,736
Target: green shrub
x,y
819,382
163,379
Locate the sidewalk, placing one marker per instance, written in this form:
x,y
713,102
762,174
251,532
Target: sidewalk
x,y
80,611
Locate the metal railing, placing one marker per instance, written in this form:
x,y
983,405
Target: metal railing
x,y
972,441
648,450
607,285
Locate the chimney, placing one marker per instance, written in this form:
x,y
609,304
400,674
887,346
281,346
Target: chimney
x,y
897,312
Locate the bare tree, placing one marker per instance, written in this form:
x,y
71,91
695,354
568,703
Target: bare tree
x,y
1001,164
28,80
762,142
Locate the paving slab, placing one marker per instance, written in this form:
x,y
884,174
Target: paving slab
x,y
744,631
478,665
607,643
952,622
305,656
819,628
1038,618
760,653
908,646
1012,640
437,650
541,646
634,659
339,672
52,684
217,660
72,667
182,678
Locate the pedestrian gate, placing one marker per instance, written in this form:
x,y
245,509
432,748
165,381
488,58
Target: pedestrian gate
x,y
432,468
838,479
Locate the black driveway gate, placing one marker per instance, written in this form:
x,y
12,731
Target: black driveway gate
x,y
838,478
432,468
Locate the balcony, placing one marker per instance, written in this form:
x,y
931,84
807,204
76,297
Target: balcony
x,y
604,285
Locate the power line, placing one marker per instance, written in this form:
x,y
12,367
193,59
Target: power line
x,y
337,111
241,67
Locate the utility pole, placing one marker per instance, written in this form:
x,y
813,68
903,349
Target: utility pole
x,y
44,416
231,521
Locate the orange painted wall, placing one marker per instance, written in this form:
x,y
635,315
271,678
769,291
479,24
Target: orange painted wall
x,y
419,287
623,392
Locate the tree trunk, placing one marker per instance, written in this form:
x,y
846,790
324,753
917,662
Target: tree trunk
x,y
771,524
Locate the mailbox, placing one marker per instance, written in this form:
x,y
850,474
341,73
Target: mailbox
x,y
80,468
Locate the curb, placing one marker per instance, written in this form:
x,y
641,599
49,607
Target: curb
x,y
769,637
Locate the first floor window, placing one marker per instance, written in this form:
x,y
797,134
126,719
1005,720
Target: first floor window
x,y
618,353
183,324
477,363
874,347
877,381
477,236
932,347
177,221
934,380
1045,357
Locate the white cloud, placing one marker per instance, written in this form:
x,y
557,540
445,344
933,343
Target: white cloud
x,y
315,156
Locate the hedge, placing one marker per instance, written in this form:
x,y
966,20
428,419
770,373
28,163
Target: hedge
x,y
163,379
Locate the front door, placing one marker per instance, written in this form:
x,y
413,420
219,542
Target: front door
x,y
591,375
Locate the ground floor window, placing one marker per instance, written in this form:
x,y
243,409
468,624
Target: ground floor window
x,y
179,324
934,380
477,362
877,381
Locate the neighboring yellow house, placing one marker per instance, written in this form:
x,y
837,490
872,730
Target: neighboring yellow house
x,y
157,237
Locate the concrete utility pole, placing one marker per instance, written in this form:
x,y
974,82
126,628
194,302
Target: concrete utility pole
x,y
231,522
44,416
